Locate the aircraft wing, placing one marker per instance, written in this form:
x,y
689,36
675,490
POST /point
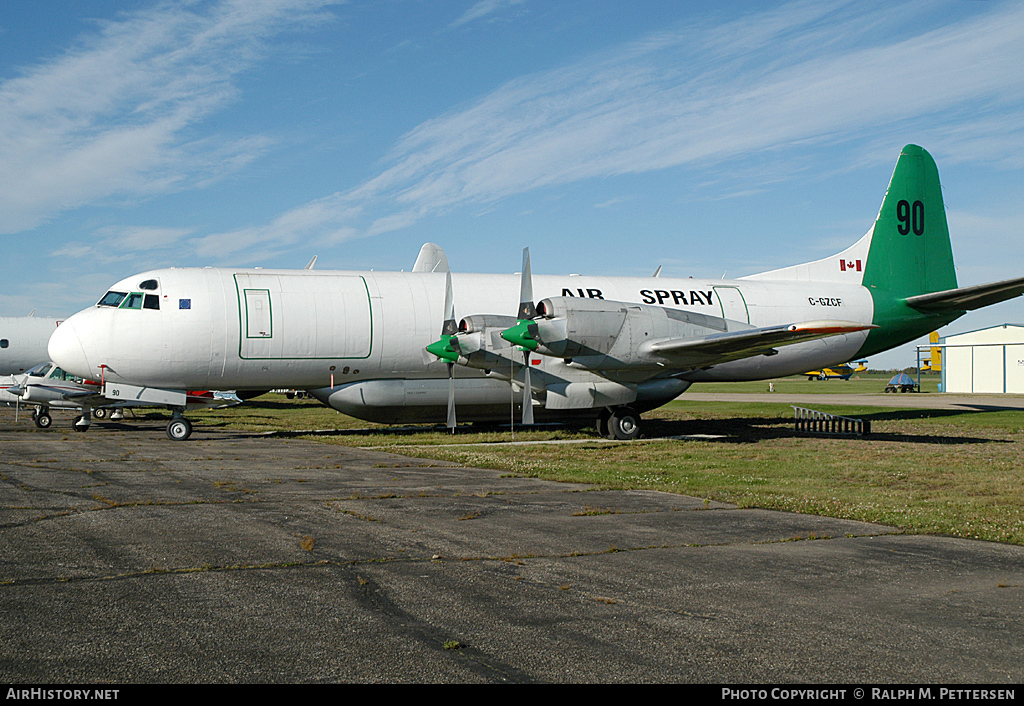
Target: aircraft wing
x,y
968,298
68,394
723,347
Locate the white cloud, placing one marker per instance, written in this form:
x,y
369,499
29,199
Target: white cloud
x,y
109,116
318,222
482,9
127,244
802,73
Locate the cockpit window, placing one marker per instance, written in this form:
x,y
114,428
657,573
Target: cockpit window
x,y
4,343
149,285
132,301
111,298
40,370
52,372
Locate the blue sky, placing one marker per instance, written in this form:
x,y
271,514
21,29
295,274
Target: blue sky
x,y
710,138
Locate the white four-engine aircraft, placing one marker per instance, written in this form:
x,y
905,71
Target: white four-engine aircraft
x,y
23,341
603,348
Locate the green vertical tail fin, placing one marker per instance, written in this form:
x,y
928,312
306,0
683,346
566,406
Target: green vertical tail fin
x,y
910,252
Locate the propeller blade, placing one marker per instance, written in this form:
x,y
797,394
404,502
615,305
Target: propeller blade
x,y
447,347
428,356
527,309
524,333
527,391
450,327
451,397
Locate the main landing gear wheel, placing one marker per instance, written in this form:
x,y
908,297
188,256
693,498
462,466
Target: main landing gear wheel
x,y
42,420
620,424
100,413
179,429
81,424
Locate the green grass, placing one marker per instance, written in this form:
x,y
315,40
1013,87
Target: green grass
x,y
932,471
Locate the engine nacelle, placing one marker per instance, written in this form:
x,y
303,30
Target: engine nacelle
x,y
589,334
481,344
604,334
480,322
571,327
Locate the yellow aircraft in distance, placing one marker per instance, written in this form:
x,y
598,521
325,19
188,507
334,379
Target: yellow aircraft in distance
x,y
933,364
840,372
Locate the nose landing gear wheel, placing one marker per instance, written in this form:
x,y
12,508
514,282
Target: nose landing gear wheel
x,y
179,429
43,421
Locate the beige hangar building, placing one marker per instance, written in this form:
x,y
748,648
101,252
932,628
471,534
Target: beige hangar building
x,y
989,360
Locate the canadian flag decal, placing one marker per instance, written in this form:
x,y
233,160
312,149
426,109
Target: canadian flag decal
x,y
845,265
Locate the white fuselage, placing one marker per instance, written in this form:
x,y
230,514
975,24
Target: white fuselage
x,y
262,329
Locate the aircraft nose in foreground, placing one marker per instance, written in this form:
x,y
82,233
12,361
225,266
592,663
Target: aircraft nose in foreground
x,y
65,349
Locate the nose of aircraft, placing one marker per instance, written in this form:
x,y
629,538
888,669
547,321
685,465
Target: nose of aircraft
x,y
65,349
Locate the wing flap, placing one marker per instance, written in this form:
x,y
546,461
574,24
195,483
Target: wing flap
x,y
968,298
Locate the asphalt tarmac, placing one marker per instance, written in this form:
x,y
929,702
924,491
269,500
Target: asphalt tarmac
x,y
238,558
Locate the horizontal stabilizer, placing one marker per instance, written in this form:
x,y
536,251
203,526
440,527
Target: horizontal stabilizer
x,y
733,345
968,298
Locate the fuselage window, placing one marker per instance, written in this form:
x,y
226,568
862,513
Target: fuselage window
x,y
111,298
4,343
132,301
149,285
152,301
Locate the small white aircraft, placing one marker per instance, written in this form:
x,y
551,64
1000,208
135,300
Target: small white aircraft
x,y
597,348
23,341
47,386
